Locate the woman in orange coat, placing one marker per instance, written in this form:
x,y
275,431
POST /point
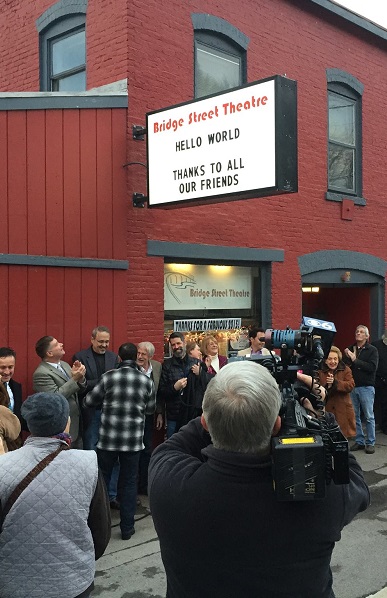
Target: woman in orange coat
x,y
337,378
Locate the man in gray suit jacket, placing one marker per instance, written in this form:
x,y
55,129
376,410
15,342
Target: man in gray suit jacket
x,y
97,360
152,369
54,375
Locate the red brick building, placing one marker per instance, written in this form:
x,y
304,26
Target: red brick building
x,y
75,252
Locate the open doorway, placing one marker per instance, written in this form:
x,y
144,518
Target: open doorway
x,y
351,291
345,306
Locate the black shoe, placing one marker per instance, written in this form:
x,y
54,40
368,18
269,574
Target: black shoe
x,y
370,449
357,447
128,535
114,504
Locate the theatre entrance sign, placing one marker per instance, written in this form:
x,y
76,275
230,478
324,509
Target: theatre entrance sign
x,y
233,145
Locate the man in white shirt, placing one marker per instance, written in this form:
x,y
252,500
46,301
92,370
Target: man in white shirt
x,y
152,369
13,388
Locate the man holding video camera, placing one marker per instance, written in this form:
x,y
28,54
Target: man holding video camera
x,y
222,531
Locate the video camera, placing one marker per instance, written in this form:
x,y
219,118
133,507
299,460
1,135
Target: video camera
x,y
309,451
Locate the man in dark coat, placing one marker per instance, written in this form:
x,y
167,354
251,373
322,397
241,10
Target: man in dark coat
x,y
222,530
381,383
182,384
97,360
13,388
363,359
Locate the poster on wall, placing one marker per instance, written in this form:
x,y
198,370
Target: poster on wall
x,y
202,287
205,325
237,144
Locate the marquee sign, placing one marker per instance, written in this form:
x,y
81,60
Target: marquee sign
x,y
233,145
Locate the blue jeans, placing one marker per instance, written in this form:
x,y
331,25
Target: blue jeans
x,y
91,434
171,427
90,439
363,400
127,482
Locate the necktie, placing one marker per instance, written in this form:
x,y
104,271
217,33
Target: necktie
x,y
63,371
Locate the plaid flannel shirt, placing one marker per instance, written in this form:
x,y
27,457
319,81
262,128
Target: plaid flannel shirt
x,y
126,395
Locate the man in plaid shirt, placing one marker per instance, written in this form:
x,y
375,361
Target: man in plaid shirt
x,y
125,395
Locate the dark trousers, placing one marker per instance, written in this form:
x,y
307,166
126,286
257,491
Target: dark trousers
x,y
145,455
380,406
127,482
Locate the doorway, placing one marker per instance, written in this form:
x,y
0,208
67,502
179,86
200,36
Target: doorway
x,y
345,306
351,291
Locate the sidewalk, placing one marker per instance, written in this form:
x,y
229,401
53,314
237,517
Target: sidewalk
x,y
132,568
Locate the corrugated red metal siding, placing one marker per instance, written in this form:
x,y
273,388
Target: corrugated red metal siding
x,y
63,194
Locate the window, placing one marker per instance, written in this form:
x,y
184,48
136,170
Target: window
x,y
67,62
220,55
215,68
344,137
63,46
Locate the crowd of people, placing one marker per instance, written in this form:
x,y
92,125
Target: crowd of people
x,y
111,404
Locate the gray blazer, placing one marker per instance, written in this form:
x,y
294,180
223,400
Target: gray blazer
x,y
47,378
156,371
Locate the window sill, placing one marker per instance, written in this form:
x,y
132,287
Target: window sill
x,y
358,201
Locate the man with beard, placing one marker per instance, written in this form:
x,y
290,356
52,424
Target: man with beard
x,y
182,384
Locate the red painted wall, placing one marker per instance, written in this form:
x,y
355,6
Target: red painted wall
x,y
63,194
152,44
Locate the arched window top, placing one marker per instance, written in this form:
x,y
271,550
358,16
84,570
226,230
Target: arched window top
x,y
62,40
220,55
211,24
62,8
344,78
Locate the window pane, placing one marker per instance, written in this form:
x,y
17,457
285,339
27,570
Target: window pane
x,y
341,119
341,168
76,82
215,70
68,52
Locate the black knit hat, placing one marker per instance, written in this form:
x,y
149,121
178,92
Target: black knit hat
x,y
46,413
